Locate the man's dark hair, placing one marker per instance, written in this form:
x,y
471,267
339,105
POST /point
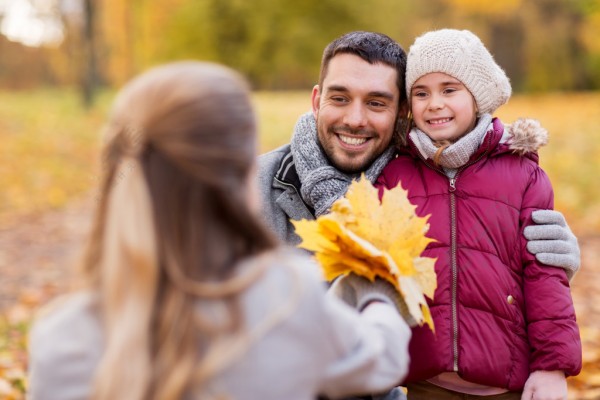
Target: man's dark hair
x,y
372,47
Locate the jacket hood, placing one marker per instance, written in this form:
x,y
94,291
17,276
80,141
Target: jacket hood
x,y
525,135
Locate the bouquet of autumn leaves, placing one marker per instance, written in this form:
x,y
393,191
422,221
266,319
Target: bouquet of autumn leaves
x,y
369,238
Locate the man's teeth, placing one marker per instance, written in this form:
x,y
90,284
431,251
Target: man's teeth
x,y
354,141
439,121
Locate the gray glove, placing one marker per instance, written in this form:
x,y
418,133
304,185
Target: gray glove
x,y
552,241
358,292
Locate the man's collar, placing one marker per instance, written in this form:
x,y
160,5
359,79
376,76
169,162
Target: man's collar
x,y
287,171
287,174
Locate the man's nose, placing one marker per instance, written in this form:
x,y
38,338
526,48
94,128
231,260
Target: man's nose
x,y
356,115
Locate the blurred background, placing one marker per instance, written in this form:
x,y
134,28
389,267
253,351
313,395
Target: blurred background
x,y
62,61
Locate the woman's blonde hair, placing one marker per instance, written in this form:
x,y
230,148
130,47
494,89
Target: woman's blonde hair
x,y
173,221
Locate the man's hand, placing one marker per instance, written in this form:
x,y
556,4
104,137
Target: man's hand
x,y
545,385
553,242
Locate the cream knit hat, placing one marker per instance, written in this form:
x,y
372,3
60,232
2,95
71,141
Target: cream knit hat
x,y
461,55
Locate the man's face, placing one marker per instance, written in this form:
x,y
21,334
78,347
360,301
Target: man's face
x,y
356,111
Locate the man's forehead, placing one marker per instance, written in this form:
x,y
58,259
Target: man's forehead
x,y
352,72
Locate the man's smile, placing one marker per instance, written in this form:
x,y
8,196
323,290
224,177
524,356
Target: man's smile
x,y
352,140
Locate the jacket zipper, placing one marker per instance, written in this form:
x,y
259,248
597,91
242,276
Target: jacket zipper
x,y
453,247
454,268
453,262
287,184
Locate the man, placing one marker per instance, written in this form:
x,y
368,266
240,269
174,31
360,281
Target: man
x,y
356,106
356,110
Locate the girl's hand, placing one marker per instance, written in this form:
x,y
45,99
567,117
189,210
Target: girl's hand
x,y
545,385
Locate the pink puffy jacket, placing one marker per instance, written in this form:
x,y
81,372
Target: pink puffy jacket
x,y
498,313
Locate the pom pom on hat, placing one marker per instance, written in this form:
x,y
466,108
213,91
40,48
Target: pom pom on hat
x,y
463,56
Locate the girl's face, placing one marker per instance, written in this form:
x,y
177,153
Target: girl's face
x,y
442,107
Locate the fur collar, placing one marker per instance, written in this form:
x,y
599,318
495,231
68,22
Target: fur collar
x,y
525,135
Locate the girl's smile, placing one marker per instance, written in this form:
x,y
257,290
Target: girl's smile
x,y
442,107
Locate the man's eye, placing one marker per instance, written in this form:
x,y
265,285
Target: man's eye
x,y
338,99
376,104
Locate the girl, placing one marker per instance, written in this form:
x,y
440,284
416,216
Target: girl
x,y
505,325
188,295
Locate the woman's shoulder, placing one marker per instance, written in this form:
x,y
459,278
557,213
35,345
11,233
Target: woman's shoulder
x,y
287,258
290,277
65,345
66,309
67,327
288,266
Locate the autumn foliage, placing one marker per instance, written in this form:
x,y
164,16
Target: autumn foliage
x,y
373,239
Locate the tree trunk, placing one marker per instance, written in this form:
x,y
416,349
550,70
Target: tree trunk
x,y
89,76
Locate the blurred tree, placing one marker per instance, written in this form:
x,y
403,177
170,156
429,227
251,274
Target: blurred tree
x,y
542,44
275,42
536,42
116,25
89,76
551,46
491,8
589,34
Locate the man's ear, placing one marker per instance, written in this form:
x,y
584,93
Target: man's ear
x,y
403,122
316,100
403,109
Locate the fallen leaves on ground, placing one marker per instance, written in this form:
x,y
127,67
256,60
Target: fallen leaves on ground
x,y
12,360
586,297
37,258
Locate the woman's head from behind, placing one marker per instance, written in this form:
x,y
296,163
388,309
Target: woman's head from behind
x,y
196,115
190,127
175,217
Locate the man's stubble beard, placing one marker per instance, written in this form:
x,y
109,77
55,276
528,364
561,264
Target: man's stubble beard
x,y
365,165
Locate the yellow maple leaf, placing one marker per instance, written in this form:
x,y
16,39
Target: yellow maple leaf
x,y
373,239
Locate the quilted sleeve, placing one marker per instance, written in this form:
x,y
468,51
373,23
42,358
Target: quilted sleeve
x,y
552,329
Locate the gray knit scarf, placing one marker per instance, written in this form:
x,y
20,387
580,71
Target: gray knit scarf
x,y
458,153
323,184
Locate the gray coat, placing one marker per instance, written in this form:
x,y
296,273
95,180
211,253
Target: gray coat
x,y
302,342
279,186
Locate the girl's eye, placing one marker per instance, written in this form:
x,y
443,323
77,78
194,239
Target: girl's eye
x,y
450,90
419,94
